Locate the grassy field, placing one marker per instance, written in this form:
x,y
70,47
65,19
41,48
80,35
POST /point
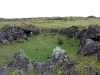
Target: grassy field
x,y
39,47
44,23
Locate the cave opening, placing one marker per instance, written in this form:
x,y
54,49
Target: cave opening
x,y
95,39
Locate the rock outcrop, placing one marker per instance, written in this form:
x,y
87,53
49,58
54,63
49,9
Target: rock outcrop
x,y
89,40
89,47
23,64
20,61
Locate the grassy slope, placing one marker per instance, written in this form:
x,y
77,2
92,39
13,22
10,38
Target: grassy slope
x,y
45,45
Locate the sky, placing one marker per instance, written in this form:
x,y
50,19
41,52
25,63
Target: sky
x,y
48,8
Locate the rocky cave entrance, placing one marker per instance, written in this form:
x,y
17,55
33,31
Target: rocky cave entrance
x,y
95,39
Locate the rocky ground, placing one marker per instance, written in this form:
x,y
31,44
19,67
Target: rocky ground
x,y
89,44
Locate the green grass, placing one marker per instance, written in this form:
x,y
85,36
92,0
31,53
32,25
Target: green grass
x,y
39,47
54,23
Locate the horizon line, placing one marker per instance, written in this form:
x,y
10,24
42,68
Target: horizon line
x,y
44,17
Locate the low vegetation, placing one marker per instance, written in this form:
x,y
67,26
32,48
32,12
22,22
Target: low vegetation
x,y
40,46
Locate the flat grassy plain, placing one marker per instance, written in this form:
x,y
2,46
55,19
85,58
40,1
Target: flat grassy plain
x,y
44,23
40,46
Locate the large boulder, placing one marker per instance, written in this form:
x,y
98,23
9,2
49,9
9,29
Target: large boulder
x,y
93,32
89,40
71,31
59,58
96,73
20,61
90,47
80,33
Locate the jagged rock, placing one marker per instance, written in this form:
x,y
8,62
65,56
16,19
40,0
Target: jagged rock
x,y
94,32
2,71
90,47
10,33
89,40
71,31
69,68
58,58
96,73
59,54
23,64
20,61
80,34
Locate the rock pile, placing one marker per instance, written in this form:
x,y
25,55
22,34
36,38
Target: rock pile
x,y
10,33
22,63
70,32
89,47
89,40
59,59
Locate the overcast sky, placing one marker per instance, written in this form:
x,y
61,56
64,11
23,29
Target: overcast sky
x,y
48,8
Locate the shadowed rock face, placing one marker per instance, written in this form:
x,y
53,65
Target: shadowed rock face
x,y
70,32
24,64
10,33
96,73
20,61
98,55
89,40
90,47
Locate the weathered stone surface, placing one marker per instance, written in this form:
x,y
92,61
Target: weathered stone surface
x,y
10,33
58,58
98,55
21,62
3,71
80,34
96,73
71,31
89,40
90,47
93,32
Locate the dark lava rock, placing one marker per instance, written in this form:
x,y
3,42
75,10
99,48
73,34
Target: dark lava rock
x,y
98,55
96,73
80,34
89,40
60,41
20,61
23,64
71,31
90,47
